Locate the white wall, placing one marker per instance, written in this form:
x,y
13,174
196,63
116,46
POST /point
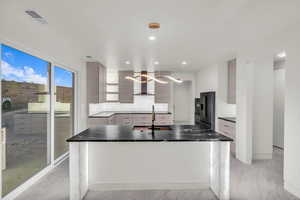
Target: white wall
x,y
182,94
278,118
254,126
207,79
244,101
263,108
292,121
185,76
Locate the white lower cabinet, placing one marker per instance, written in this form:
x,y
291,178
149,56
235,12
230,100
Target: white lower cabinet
x,y
142,119
163,120
112,120
132,119
96,121
123,119
228,129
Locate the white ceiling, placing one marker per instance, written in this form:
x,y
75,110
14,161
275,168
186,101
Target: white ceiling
x,y
202,32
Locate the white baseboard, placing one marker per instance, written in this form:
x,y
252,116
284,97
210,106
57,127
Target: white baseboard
x,y
148,186
291,188
262,156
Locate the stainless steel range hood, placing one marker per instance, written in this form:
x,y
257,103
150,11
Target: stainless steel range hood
x,y
144,85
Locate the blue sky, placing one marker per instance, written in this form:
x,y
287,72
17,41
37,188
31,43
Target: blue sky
x,y
19,66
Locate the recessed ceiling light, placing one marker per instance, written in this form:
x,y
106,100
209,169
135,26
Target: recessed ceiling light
x,y
152,38
281,55
156,63
184,62
127,62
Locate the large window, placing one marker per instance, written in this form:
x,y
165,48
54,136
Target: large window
x,y
25,116
27,110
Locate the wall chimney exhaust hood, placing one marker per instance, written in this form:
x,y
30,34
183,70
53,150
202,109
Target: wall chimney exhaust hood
x,y
144,79
144,82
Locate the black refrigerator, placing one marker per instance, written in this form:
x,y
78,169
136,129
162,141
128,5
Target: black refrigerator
x,y
205,109
197,110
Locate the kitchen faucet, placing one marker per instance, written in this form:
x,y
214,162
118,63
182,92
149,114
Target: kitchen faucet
x,y
153,118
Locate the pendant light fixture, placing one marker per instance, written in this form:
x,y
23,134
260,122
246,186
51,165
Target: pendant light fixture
x,y
174,79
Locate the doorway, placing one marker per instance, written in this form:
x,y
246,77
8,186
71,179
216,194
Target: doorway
x,y
183,102
279,99
278,111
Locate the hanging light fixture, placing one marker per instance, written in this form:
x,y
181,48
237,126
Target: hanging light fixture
x,y
174,79
134,79
152,78
155,79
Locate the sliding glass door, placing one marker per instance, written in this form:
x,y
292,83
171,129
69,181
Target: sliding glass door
x,y
64,110
25,116
35,96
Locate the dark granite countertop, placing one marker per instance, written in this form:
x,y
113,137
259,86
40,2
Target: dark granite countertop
x,y
106,114
178,133
229,119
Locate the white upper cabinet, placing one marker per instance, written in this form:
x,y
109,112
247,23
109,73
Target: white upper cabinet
x,y
231,90
96,80
125,87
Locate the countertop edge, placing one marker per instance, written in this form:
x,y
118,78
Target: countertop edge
x,y
128,113
161,141
226,119
222,138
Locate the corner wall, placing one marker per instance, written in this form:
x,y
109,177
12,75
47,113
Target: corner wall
x,y
254,131
279,97
244,101
263,108
292,123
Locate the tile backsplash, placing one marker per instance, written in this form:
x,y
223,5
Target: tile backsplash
x,y
141,103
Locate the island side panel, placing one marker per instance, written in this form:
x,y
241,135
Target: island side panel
x,y
220,169
78,170
149,165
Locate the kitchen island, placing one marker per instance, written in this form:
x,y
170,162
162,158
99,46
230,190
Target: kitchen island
x,y
115,157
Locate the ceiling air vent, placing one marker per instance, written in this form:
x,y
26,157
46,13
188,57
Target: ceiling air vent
x,y
36,16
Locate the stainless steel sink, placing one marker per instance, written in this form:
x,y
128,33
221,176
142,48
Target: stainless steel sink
x,y
157,128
